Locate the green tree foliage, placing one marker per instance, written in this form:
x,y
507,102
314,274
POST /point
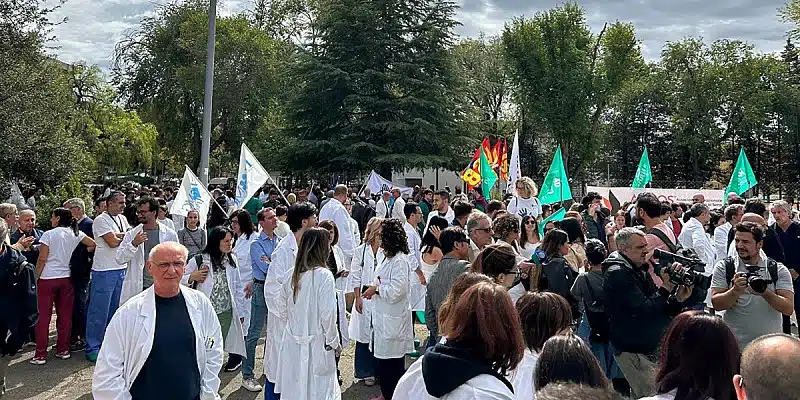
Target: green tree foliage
x,y
376,89
565,77
160,72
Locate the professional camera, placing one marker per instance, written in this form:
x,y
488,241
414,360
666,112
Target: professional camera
x,y
690,275
754,279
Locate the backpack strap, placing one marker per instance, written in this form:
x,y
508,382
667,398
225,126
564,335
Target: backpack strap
x,y
772,268
663,237
730,269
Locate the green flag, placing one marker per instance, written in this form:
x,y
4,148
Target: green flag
x,y
488,176
742,178
643,173
554,217
556,185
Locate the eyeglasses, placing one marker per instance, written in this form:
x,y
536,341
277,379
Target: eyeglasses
x,y
487,230
174,264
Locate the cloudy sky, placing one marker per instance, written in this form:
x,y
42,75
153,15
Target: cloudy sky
x,y
94,26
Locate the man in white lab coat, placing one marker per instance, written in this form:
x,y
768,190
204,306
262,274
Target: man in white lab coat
x,y
398,206
382,206
733,215
301,217
137,244
165,342
334,210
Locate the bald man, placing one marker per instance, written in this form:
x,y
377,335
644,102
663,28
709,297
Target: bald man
x,y
769,369
165,342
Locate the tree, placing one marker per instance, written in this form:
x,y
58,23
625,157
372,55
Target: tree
x,y
376,91
565,76
159,71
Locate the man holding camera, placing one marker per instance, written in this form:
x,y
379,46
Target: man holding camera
x,y
753,290
640,311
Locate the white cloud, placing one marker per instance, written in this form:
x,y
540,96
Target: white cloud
x,y
94,26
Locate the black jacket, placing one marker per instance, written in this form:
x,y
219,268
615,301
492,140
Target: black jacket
x,y
446,367
32,254
558,277
639,311
17,300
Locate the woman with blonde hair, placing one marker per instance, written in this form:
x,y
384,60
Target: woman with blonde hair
x,y
307,360
366,259
525,201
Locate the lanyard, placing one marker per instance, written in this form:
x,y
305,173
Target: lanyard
x,y
117,223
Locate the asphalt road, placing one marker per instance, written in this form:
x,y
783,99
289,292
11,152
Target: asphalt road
x,y
72,378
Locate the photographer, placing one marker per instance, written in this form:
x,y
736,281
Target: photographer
x,y
639,311
753,290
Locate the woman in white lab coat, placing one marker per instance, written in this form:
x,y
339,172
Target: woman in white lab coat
x,y
543,315
338,266
393,336
311,344
464,366
245,234
366,259
217,276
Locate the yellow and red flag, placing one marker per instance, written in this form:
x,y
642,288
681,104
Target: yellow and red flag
x,y
501,149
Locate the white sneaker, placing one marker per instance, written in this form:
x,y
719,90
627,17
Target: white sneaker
x,y
251,385
38,361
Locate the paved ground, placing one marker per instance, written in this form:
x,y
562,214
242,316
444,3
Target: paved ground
x,y
71,379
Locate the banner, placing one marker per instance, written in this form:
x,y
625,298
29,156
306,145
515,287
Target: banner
x,y
643,173
556,184
192,195
620,195
378,184
251,177
514,170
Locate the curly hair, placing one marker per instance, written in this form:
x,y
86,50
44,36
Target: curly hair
x,y
393,238
505,225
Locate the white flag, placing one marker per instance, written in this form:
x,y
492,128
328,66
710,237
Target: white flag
x,y
513,169
191,196
378,184
251,177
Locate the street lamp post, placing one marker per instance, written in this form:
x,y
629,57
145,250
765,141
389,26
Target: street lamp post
x,y
205,148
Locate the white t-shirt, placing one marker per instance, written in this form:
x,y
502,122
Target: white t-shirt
x,y
61,242
105,255
522,207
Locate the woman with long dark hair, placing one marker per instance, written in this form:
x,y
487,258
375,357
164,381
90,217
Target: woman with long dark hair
x,y
393,336
431,251
699,354
484,342
54,285
215,272
557,275
311,343
542,315
337,265
499,262
566,358
529,236
576,257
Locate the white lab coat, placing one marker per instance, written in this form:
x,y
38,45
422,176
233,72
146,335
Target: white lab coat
x,y
693,236
356,231
137,260
341,287
234,338
362,272
394,335
449,215
721,240
336,212
382,209
522,377
280,269
482,387
242,251
305,369
416,293
129,340
397,209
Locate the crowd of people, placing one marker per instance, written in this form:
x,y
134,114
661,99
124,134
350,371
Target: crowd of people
x,y
654,301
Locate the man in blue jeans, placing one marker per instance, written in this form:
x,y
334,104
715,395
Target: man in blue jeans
x,y
107,275
261,255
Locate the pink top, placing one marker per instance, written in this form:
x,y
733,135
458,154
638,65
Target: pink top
x,y
653,242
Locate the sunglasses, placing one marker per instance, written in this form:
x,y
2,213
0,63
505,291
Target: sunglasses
x,y
529,222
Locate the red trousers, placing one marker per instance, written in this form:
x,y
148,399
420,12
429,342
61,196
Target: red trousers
x,y
60,292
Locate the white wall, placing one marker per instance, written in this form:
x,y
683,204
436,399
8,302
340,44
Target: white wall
x,y
428,176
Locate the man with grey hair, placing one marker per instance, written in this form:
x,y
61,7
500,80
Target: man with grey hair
x,y
382,207
639,311
479,230
769,369
80,265
693,235
165,342
787,232
17,302
26,229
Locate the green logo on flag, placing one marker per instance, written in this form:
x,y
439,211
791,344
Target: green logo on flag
x,y
742,178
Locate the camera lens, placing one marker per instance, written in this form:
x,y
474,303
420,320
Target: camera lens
x,y
758,284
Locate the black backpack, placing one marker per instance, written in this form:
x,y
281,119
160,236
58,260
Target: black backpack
x,y
599,322
730,269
